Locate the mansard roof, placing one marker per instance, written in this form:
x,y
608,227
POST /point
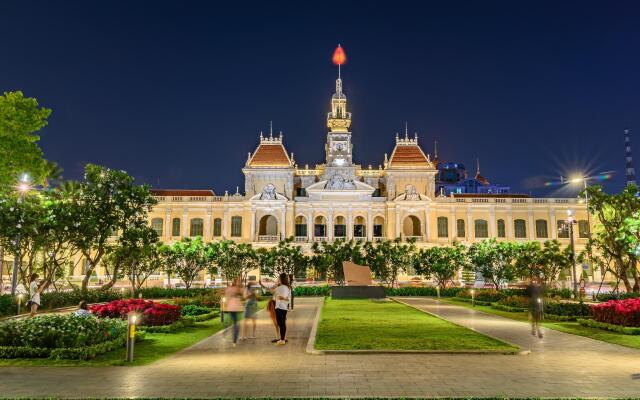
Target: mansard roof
x,y
270,153
408,153
181,192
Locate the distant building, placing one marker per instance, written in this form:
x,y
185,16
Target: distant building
x,y
452,179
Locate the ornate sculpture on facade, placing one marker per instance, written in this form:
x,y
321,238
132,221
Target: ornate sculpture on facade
x,y
410,193
337,182
268,192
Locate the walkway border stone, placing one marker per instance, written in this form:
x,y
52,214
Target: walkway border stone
x,y
311,343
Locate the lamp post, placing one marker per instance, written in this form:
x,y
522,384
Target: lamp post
x,y
23,187
131,335
570,221
473,298
586,200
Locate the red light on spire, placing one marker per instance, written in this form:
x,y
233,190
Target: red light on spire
x,y
339,56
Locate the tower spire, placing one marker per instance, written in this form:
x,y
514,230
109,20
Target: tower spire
x,y
435,149
477,166
631,173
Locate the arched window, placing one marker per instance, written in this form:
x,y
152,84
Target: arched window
x,y
563,229
217,227
460,228
520,228
481,228
320,227
236,226
502,232
175,227
301,226
443,227
411,226
359,227
156,225
541,228
583,228
197,227
378,227
340,227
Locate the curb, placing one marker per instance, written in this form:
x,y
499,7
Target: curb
x,y
311,343
521,351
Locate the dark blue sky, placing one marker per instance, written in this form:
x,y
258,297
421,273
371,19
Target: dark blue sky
x,y
177,92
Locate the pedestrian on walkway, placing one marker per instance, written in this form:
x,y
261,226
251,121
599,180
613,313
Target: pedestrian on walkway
x,y
34,295
250,310
282,297
233,306
271,308
534,294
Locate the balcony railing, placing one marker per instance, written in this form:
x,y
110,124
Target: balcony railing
x,y
301,239
199,199
268,238
415,238
508,200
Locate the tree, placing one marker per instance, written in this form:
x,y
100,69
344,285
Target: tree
x,y
232,260
20,118
527,257
186,258
106,202
493,260
441,263
328,257
283,258
613,235
555,259
388,258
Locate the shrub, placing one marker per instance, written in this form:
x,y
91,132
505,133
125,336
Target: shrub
x,y
164,293
616,296
51,300
565,293
618,312
302,291
567,309
476,302
210,300
422,291
152,313
520,302
609,327
59,331
192,309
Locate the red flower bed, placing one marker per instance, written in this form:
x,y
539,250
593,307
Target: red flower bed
x,y
152,313
619,312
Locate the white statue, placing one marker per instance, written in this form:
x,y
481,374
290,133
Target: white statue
x,y
410,193
268,192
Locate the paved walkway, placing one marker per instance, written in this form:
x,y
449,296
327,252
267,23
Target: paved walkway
x,y
560,365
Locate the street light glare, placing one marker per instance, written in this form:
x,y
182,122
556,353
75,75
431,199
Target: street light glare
x,y
576,180
23,187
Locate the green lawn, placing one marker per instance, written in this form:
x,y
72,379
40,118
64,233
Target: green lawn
x,y
371,325
567,327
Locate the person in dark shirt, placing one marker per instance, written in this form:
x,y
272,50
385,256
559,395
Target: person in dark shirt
x,y
534,293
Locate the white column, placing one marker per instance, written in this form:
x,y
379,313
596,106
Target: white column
x,y
553,224
427,226
398,231
470,227
492,222
184,223
225,224
310,225
369,225
253,225
207,226
330,226
283,225
349,225
510,225
454,224
168,224
532,235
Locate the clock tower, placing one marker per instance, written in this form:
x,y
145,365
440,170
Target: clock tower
x,y
339,149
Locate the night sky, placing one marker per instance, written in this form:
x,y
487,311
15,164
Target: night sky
x,y
176,93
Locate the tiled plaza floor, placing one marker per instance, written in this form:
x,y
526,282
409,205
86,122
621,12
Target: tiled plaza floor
x,y
559,365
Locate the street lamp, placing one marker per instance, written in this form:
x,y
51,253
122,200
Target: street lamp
x,y
569,226
23,186
131,334
584,180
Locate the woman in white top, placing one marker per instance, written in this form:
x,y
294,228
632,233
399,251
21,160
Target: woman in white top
x,y
34,294
282,296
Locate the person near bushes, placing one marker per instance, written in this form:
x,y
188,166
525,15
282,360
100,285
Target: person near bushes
x,y
83,310
282,297
233,306
534,296
271,307
250,310
34,295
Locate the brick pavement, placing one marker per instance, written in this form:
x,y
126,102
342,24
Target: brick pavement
x,y
559,365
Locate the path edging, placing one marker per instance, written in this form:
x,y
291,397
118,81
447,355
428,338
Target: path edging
x,y
311,343
521,351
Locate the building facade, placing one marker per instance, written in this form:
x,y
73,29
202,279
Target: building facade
x,y
340,199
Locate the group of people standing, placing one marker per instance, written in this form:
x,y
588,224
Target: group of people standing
x,y
278,306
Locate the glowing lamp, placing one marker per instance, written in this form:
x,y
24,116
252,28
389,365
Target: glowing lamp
x,y
339,56
23,187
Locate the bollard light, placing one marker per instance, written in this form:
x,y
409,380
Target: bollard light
x,y
18,303
131,334
222,300
473,298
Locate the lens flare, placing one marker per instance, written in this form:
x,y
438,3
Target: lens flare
x,y
339,56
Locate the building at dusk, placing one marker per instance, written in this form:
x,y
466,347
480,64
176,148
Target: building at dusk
x,y
409,196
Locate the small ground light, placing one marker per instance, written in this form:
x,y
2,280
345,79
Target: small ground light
x,y
131,335
222,300
473,298
19,303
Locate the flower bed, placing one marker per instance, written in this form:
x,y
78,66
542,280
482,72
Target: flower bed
x,y
152,313
618,312
60,336
51,300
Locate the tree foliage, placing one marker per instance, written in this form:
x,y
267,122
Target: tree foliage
x,y
286,258
441,263
493,260
388,258
328,257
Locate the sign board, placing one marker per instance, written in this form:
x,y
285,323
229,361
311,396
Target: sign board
x,y
356,275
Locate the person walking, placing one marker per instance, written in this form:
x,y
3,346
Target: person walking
x,y
282,297
34,295
534,295
250,310
233,306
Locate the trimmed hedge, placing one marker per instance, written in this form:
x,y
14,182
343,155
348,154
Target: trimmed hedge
x,y
86,352
421,291
627,330
620,296
193,310
477,302
567,309
502,307
50,300
307,291
173,328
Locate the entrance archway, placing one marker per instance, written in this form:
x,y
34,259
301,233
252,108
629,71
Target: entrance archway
x,y
411,226
268,226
